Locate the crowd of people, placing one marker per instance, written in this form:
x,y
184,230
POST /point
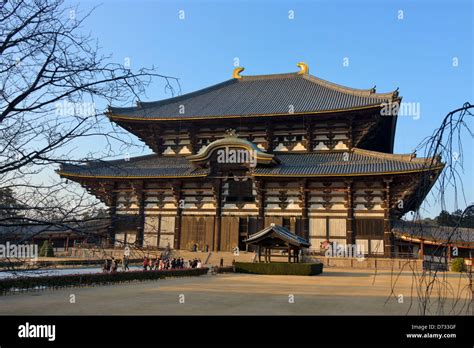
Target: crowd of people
x,y
112,264
161,263
149,264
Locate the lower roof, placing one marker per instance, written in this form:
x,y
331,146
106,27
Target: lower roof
x,y
415,232
356,162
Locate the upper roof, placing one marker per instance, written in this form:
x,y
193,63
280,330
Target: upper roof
x,y
259,95
355,162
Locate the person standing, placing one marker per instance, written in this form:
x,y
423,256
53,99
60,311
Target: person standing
x,y
125,264
113,265
150,264
221,264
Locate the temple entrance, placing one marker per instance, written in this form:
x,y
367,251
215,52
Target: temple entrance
x,y
229,233
197,230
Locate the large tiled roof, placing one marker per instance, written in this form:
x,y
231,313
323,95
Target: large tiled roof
x,y
258,96
143,166
356,162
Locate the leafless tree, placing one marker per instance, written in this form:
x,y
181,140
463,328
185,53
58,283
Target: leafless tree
x,y
431,285
53,79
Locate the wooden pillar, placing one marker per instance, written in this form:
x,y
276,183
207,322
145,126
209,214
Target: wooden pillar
x,y
260,188
269,137
66,247
422,248
138,190
387,233
259,251
448,250
193,139
289,254
304,208
157,135
176,190
217,188
113,216
310,143
350,235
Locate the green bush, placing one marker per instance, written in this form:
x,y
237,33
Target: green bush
x,y
279,268
35,282
46,249
457,265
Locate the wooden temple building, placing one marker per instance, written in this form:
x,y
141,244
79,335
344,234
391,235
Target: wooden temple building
x,y
231,159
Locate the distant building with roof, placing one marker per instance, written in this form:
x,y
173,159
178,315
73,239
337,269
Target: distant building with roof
x,y
231,159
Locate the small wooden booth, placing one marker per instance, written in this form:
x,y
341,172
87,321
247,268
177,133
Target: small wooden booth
x,y
276,237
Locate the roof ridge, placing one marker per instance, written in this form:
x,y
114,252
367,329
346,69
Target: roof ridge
x,y
401,157
370,92
268,76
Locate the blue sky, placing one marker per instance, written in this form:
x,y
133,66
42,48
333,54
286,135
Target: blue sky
x,y
415,53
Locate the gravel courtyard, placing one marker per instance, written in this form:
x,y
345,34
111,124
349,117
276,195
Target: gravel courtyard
x,y
336,291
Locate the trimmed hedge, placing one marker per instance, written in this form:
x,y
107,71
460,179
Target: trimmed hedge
x,y
279,268
70,280
457,265
46,249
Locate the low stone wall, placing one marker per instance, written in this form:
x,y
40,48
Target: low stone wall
x,y
97,253
368,263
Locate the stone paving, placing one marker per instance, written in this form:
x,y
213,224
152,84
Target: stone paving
x,y
335,292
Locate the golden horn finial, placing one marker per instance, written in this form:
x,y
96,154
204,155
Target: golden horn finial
x,y
304,69
237,71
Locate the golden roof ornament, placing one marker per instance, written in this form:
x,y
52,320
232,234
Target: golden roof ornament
x,y
237,71
304,69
